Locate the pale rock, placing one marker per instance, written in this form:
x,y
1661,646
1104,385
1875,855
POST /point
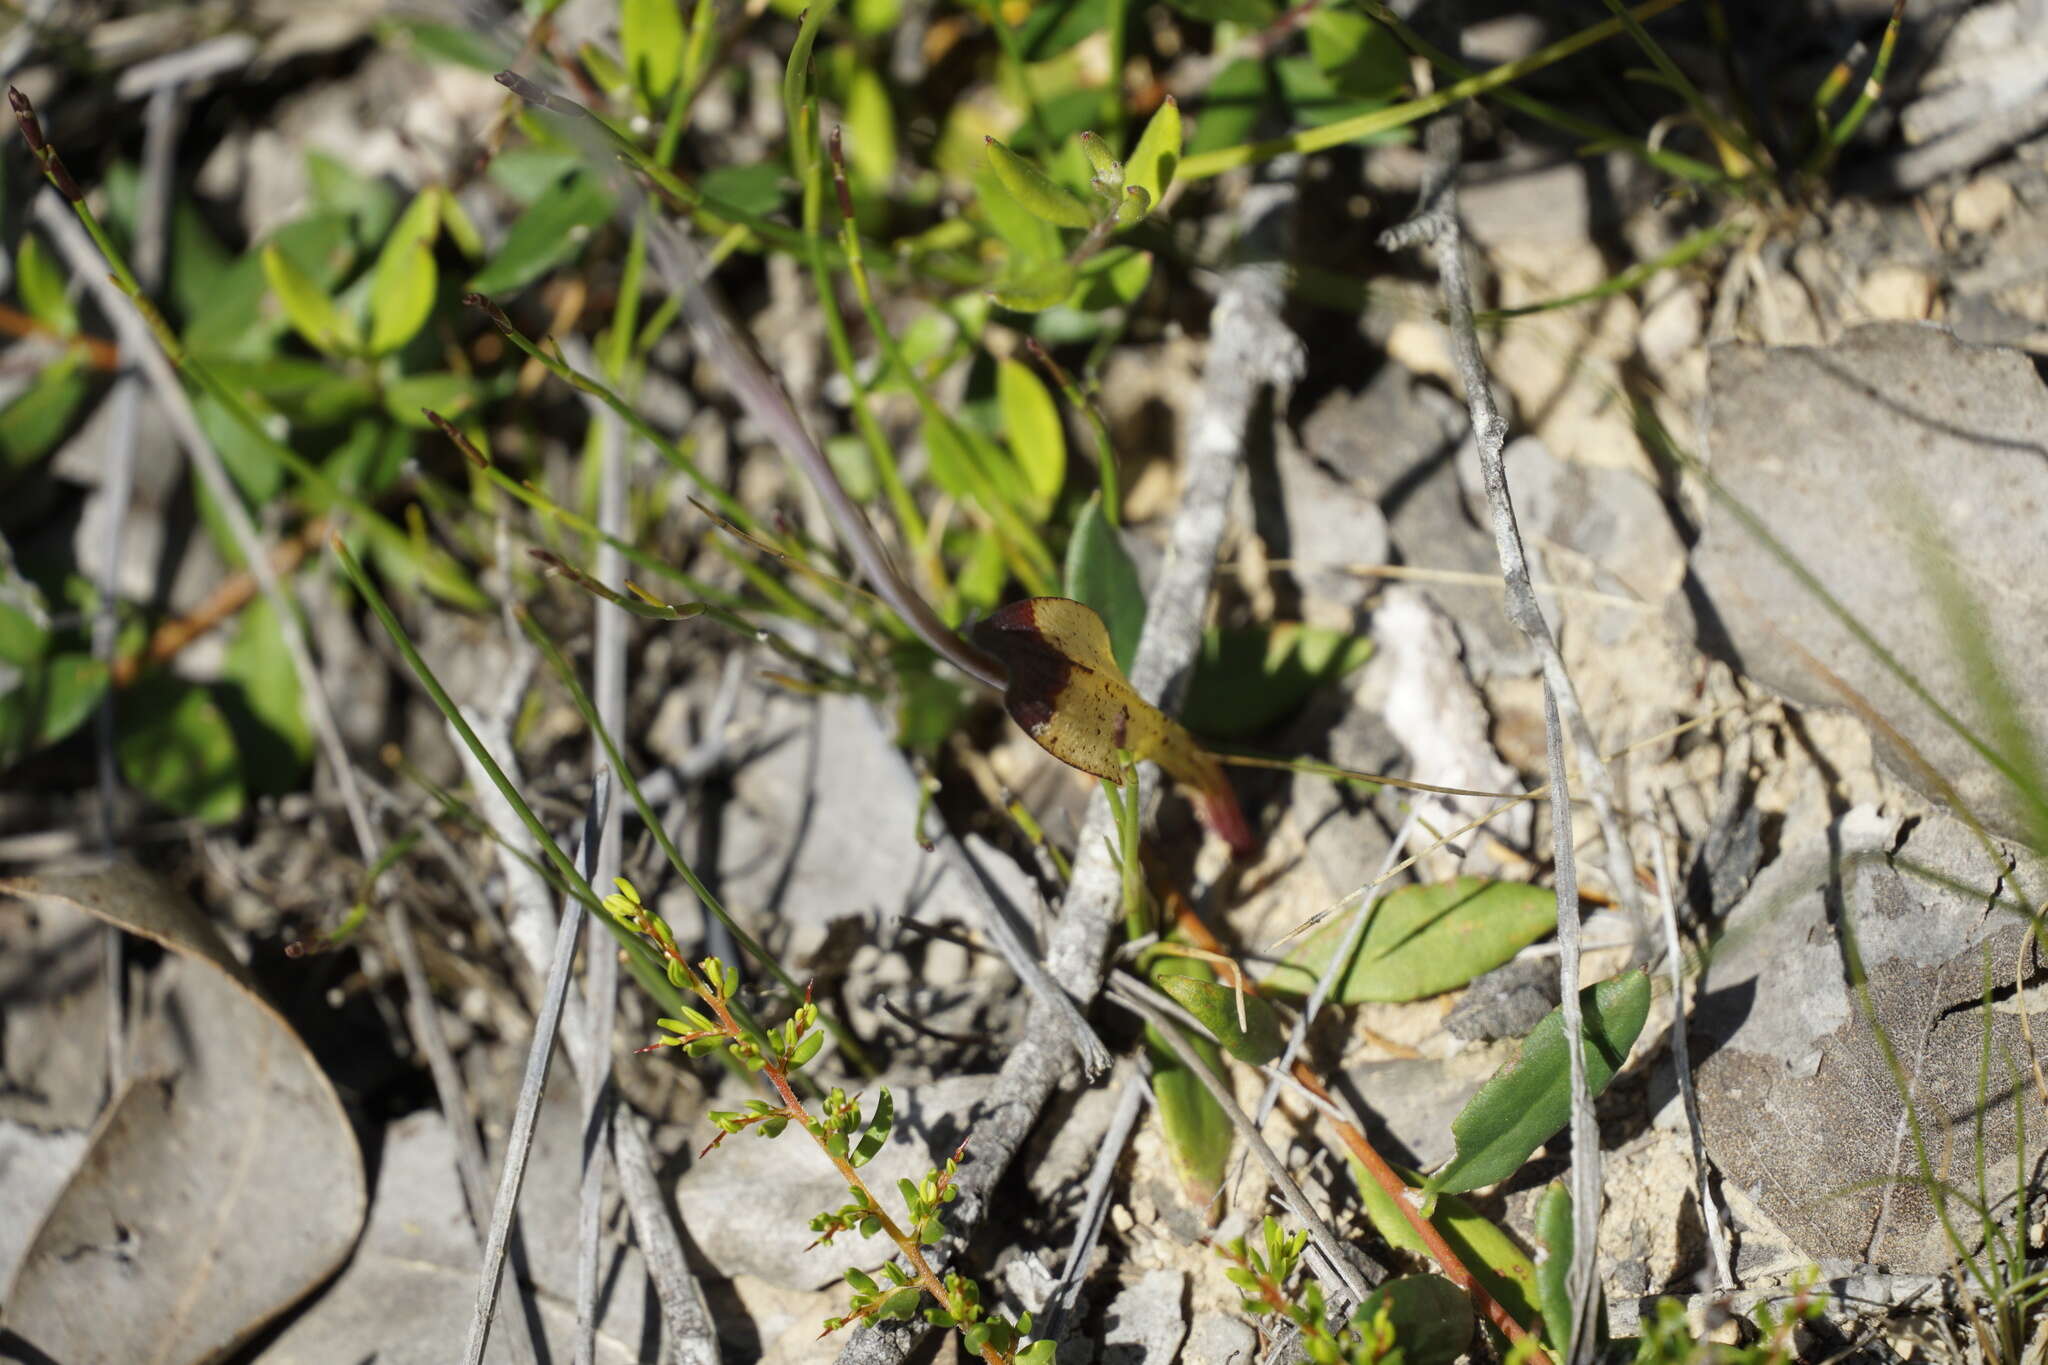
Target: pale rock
x,y
1220,1339
1982,205
1901,293
1144,1324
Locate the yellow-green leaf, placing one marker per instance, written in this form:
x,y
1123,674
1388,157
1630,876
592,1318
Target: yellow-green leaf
x,y
651,32
41,285
310,309
1035,288
1423,941
1152,164
461,230
1529,1101
403,283
1032,424
1255,1041
1196,1130
871,132
1489,1253
1036,191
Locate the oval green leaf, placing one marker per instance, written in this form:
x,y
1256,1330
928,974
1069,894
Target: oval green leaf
x,y
1431,1317
1489,1253
1528,1102
1032,240
1036,191
1153,162
551,230
871,125
877,1130
1256,1041
402,285
1032,424
1197,1131
651,33
176,747
310,309
41,285
1101,575
1034,288
1553,1291
1423,941
260,699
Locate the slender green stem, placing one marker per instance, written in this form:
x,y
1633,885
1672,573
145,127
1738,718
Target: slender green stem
x,y
1022,547
1717,128
1836,138
1098,428
1597,137
579,698
1401,115
1692,247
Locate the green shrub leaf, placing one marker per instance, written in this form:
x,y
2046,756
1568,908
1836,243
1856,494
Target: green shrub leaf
x,y
262,704
877,1130
651,32
402,285
1257,1041
1153,162
1423,941
1036,191
1196,1130
1553,1273
1528,1102
1032,424
176,748
1100,574
41,285
1431,1317
1488,1252
551,230
1034,288
1248,677
309,308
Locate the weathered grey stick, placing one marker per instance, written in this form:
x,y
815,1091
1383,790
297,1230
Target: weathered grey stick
x,y
538,1053
1144,1002
1130,1102
683,1309
1436,223
1251,349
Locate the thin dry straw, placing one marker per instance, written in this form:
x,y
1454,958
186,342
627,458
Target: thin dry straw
x,y
601,973
1681,1060
1009,943
1251,348
1166,1019
1436,223
1130,1102
542,1048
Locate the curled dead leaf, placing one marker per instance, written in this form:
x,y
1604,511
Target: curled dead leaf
x,y
1066,691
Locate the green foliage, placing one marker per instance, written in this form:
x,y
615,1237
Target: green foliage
x,y
1100,574
1412,1320
1528,1102
1197,1131
1244,1024
177,748
1503,1270
1422,941
1248,678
